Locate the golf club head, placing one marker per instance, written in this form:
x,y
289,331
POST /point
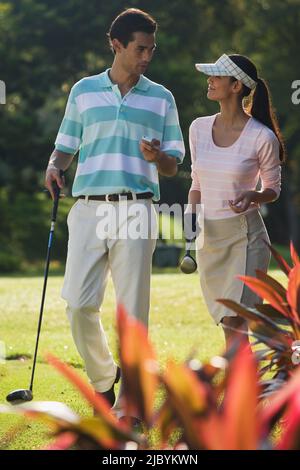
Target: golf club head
x,y
188,265
19,396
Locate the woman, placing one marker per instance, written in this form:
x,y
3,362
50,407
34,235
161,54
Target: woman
x,y
230,152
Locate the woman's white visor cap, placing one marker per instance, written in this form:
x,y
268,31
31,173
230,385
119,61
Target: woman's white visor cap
x,y
226,67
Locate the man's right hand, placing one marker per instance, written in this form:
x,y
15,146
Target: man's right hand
x,y
53,175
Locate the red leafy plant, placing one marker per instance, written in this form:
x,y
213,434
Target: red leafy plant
x,y
211,406
276,323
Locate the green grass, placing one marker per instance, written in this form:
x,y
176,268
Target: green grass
x,y
179,325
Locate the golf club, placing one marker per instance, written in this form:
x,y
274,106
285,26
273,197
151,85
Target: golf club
x,y
188,265
22,395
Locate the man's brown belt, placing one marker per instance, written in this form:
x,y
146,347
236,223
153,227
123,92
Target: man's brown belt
x,y
119,197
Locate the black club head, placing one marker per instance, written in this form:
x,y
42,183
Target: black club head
x,y
19,396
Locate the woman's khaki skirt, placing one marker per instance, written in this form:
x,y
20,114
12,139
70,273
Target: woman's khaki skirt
x,y
231,247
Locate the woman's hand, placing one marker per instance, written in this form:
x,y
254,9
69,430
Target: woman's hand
x,y
241,203
151,151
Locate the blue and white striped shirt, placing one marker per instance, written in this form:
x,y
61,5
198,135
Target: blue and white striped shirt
x,y
107,129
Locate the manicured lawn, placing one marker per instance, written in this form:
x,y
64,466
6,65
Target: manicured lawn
x,y
179,325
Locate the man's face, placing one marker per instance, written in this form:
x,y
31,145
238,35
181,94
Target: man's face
x,y
138,54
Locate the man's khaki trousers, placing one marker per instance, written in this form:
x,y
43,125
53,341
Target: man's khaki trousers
x,y
104,237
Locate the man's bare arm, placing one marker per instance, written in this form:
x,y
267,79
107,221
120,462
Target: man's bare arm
x,y
57,161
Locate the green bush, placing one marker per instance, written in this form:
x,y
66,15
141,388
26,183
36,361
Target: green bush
x,y
10,249
24,229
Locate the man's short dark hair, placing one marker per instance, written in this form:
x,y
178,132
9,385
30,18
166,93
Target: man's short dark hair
x,y
129,22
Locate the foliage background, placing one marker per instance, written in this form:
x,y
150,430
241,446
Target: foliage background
x,y
47,45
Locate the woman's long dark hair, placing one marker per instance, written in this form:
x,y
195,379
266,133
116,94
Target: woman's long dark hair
x,y
260,104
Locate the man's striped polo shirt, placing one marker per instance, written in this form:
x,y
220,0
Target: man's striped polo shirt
x,y
107,129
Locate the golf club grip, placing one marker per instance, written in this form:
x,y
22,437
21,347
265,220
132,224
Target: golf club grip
x,y
56,190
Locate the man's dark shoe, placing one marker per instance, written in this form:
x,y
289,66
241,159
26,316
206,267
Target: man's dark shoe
x,y
109,395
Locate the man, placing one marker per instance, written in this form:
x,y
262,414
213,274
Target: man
x,y
107,116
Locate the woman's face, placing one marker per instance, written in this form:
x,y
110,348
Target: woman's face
x,y
220,88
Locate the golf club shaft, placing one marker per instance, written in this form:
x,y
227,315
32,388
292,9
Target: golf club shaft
x,y
53,220
188,246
